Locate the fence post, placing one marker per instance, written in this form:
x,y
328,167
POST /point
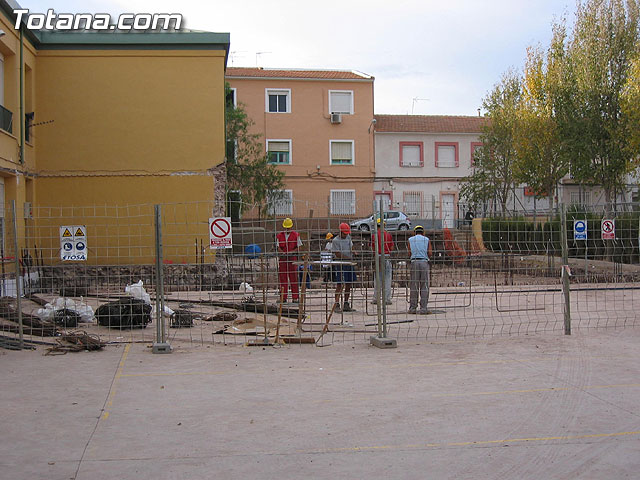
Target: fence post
x,y
381,341
565,271
17,266
161,345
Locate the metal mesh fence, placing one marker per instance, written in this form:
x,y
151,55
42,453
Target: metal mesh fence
x,y
94,268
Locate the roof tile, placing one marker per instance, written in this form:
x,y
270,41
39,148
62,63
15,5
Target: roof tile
x,y
283,73
429,124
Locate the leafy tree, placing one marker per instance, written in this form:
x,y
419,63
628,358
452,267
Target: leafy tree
x,y
248,169
631,107
593,123
493,175
541,160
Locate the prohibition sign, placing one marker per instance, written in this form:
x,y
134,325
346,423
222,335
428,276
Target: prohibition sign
x,y
608,230
220,227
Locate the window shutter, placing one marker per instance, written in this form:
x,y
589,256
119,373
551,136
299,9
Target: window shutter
x,y
341,151
410,156
278,146
341,102
446,156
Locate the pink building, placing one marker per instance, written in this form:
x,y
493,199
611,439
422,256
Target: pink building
x,y
317,127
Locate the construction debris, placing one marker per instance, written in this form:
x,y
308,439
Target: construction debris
x,y
222,317
182,318
32,325
76,341
126,312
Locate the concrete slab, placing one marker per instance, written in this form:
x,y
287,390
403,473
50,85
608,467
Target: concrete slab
x,y
539,406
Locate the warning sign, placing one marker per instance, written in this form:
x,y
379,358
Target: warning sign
x,y
73,246
608,229
220,232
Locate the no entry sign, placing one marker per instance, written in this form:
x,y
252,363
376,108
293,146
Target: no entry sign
x,y
608,229
220,232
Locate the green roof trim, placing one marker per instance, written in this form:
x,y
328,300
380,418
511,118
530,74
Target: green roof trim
x,y
114,40
133,40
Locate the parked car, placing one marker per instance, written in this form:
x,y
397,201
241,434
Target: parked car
x,y
394,219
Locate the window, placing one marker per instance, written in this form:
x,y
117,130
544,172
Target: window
x,y
447,154
278,101
476,148
413,203
581,198
279,152
341,101
230,99
411,154
6,117
341,152
343,202
281,203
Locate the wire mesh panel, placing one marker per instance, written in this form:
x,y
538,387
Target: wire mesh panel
x,y
94,268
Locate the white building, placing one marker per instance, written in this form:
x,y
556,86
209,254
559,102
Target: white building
x,y
420,161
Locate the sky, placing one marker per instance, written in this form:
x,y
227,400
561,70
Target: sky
x,y
428,57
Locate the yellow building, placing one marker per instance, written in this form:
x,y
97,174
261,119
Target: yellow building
x,y
113,120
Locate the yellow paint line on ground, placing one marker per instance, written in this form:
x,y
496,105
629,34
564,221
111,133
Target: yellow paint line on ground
x,y
535,390
117,376
469,443
176,374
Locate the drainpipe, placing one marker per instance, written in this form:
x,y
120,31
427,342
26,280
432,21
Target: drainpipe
x,y
21,89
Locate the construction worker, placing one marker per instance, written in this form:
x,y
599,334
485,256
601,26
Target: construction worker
x,y
288,242
344,273
420,252
388,270
326,257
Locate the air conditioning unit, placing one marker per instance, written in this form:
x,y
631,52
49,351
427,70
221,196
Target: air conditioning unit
x,y
336,118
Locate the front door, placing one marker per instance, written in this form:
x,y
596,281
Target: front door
x,y
386,201
448,210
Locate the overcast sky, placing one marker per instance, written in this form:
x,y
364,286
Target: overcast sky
x,y
428,57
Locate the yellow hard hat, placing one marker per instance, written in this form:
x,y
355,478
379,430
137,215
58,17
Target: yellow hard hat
x,y
418,227
287,223
385,222
329,236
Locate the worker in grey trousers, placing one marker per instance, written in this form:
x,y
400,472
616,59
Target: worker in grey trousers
x,y
420,252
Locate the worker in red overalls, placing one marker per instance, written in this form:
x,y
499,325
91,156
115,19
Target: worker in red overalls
x,y
288,242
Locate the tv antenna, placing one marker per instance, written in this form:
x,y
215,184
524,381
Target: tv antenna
x,y
258,54
416,100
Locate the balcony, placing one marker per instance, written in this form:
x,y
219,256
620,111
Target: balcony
x,y
6,119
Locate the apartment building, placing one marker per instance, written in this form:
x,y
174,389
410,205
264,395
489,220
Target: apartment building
x,y
317,128
420,161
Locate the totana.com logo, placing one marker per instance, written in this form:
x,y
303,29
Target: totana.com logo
x,y
97,21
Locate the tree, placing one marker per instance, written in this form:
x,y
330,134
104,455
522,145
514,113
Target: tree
x,y
593,123
541,158
493,174
248,169
631,107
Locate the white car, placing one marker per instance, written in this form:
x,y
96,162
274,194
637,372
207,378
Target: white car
x,y
394,219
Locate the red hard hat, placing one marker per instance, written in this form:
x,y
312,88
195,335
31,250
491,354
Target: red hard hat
x,y
345,228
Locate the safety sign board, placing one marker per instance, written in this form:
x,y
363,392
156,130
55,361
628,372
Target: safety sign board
x,y
579,229
608,229
220,232
73,243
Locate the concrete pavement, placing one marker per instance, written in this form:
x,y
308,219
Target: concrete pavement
x,y
529,407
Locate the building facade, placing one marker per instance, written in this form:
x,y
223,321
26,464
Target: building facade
x,y
420,161
317,128
109,119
